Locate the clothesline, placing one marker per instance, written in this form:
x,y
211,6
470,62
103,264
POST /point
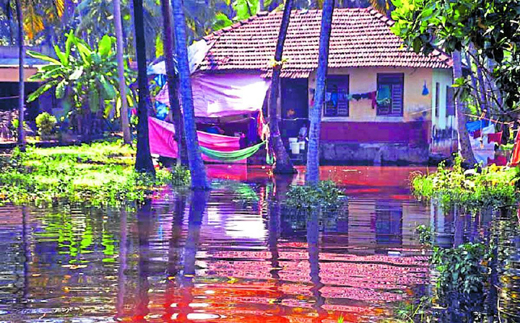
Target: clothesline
x,y
488,119
9,97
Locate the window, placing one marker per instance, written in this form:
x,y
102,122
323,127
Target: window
x,y
437,94
336,96
450,104
390,88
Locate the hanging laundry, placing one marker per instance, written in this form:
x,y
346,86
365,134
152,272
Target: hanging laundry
x,y
495,137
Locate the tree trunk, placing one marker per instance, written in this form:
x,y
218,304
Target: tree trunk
x,y
313,154
199,180
261,5
175,108
283,164
464,144
21,82
127,138
143,160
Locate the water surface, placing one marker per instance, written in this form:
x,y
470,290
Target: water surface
x,y
234,254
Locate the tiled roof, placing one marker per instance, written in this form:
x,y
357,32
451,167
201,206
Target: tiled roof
x,y
360,38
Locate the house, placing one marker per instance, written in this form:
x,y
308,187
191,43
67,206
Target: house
x,y
385,104
9,78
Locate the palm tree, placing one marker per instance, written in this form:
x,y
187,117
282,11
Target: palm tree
x,y
283,164
21,81
143,160
172,78
464,144
197,169
313,162
127,138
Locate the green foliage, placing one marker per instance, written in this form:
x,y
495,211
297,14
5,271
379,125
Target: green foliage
x,y
414,311
462,274
46,124
88,75
325,195
425,234
180,176
97,174
491,27
494,187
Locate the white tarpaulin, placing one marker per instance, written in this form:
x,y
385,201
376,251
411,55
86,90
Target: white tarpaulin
x,y
221,95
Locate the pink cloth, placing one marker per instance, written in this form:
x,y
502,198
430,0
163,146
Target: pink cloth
x,y
221,95
162,142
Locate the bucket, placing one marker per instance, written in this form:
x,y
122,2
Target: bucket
x,y
302,145
295,147
291,140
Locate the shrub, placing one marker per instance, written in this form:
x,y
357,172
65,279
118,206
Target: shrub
x,y
492,187
325,195
46,124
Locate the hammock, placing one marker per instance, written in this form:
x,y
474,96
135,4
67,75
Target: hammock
x,y
234,155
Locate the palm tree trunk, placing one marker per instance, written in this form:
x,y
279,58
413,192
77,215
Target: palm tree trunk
x,y
313,154
172,80
121,71
143,160
21,82
464,144
199,180
283,164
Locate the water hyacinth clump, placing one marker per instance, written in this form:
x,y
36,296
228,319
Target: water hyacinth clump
x,y
326,195
491,187
97,174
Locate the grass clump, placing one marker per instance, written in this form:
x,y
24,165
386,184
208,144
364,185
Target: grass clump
x,y
325,195
492,187
99,174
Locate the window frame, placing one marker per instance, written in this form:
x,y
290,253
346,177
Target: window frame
x,y
437,99
341,79
391,79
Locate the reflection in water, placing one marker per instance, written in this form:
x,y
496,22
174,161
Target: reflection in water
x,y
236,254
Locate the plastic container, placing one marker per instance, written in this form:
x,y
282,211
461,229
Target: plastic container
x,y
295,147
291,140
302,145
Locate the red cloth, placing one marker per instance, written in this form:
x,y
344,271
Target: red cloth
x,y
515,159
477,134
373,96
499,161
162,143
495,137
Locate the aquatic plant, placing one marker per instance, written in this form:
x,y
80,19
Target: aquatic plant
x,y
325,195
180,176
462,275
491,187
98,174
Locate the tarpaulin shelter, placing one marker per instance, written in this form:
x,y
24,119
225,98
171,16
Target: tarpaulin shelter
x,y
223,95
162,141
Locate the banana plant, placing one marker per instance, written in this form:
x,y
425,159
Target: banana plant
x,y
81,71
87,76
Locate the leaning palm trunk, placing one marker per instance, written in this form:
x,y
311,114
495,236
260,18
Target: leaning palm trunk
x,y
121,72
172,80
283,164
143,159
313,154
21,87
197,169
464,144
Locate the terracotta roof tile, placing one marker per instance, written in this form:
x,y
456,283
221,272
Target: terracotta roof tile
x,y
359,38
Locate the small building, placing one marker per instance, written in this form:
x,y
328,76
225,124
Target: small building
x,y
384,103
9,78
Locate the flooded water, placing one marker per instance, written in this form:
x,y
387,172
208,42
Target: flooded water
x,y
235,254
